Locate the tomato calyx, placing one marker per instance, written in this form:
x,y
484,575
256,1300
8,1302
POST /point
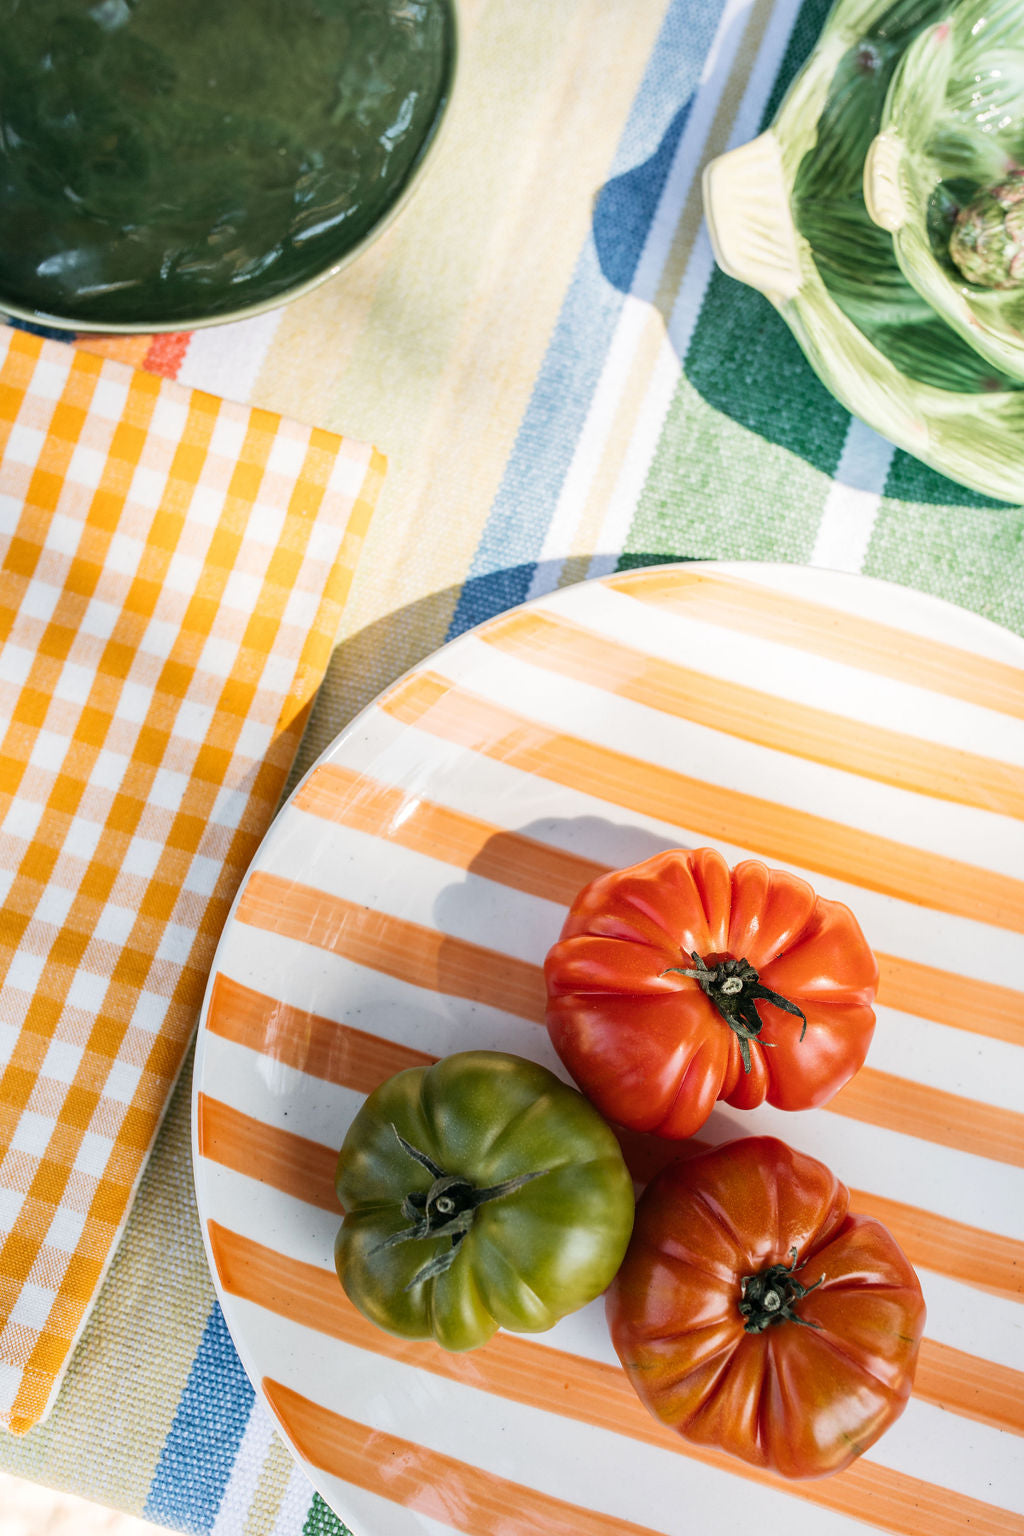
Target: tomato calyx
x,y
446,1209
735,988
769,1297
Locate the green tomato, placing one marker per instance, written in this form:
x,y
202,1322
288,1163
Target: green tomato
x,y
479,1193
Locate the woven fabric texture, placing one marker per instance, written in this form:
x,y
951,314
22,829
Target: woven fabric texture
x,y
564,385
174,569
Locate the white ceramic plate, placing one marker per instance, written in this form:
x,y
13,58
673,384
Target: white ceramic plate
x,y
865,736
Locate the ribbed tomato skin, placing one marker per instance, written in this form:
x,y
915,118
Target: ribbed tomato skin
x,y
644,1042
529,1257
802,1399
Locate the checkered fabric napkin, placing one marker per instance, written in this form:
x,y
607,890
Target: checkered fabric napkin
x,y
174,569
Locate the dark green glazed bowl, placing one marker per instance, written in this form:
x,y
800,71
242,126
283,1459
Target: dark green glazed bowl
x,y
168,164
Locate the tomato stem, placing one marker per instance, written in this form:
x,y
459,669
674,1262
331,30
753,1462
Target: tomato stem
x,y
769,1296
735,989
446,1209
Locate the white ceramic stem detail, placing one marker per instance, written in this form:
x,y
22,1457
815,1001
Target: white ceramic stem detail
x,y
747,209
882,192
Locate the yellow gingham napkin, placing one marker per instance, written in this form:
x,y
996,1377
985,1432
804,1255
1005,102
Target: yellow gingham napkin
x,y
173,570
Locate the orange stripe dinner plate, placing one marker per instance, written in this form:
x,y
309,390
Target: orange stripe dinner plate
x,y
867,737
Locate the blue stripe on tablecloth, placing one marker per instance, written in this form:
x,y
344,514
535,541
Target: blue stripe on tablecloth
x,y
201,1446
48,331
513,536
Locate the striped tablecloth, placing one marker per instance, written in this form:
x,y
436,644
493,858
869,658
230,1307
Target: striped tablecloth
x,y
564,386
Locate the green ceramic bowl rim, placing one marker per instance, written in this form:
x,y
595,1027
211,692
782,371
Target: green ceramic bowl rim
x,y
414,177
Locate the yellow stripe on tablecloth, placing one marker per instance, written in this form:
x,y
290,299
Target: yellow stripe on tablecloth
x,y
396,350
271,1486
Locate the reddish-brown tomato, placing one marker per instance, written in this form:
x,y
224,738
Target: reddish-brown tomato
x,y
755,1314
678,982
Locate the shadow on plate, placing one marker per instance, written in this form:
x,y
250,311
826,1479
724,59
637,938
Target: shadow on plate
x,y
369,661
597,842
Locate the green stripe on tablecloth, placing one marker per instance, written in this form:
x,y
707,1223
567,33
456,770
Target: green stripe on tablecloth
x,y
322,1521
806,29
933,534
752,438
712,492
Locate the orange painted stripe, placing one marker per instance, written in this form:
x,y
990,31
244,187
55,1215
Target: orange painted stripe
x,y
303,1168
350,799
528,1372
917,1109
813,627
543,1377
309,1042
286,1161
473,1500
989,1261
972,1387
799,730
776,831
433,1484
424,957
405,950
950,997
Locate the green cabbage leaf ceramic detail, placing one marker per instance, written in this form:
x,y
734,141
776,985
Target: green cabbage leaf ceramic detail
x,y
787,214
946,177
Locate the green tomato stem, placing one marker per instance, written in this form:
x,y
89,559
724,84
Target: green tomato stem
x,y
734,988
446,1209
769,1297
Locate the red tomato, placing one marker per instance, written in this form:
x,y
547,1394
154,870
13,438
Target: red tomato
x,y
679,981
754,1313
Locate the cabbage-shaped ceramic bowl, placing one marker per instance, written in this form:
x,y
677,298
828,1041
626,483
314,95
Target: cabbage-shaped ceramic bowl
x,y
945,176
787,215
